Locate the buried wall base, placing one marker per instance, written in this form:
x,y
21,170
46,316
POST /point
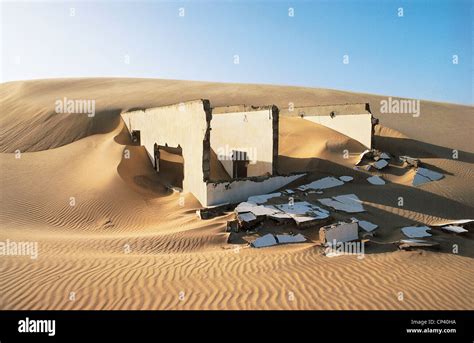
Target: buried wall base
x,y
219,193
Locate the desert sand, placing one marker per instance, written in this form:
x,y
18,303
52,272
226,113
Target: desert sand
x,y
129,243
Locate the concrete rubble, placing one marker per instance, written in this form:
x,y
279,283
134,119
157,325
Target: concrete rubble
x,y
346,178
261,199
270,240
349,203
376,180
365,225
407,244
424,175
416,231
324,183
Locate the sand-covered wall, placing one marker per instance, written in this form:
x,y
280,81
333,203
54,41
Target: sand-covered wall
x,y
356,126
353,120
250,131
185,125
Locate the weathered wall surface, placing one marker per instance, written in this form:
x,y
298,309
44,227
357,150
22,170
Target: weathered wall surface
x,y
239,190
186,125
356,126
251,131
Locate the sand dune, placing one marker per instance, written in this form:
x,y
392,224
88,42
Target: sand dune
x,y
129,242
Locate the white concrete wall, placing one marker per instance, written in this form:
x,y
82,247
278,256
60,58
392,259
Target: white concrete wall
x,y
356,126
244,131
182,124
240,190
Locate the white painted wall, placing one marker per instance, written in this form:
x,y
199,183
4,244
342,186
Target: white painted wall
x,y
356,126
244,131
182,124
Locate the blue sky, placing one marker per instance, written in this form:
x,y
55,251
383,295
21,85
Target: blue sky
x,y
409,56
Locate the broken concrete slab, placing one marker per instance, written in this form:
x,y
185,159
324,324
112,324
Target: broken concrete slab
x,y
339,232
261,199
364,154
413,162
264,241
376,180
407,244
302,208
424,175
416,231
454,229
286,239
303,213
349,203
257,210
454,222
365,225
380,164
324,183
270,240
346,178
246,217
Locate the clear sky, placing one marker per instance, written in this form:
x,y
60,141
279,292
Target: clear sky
x,y
408,56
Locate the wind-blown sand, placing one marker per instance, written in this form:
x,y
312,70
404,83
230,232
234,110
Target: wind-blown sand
x,y
128,243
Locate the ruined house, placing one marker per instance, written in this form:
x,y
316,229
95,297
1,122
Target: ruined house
x,y
229,153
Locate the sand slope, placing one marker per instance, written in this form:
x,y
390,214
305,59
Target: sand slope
x,y
129,243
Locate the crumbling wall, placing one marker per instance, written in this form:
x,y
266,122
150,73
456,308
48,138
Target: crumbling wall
x,y
185,125
352,120
247,129
239,190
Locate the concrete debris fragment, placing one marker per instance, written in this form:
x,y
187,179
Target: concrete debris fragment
x,y
365,225
232,226
257,210
349,203
303,213
454,228
413,162
286,239
261,199
424,175
416,243
324,183
364,154
376,180
346,178
269,240
303,207
264,241
455,222
247,217
380,164
456,225
339,232
416,231
289,191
